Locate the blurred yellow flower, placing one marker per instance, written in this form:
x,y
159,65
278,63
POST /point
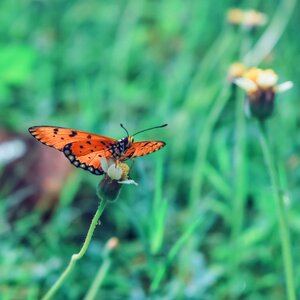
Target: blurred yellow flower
x,y
236,70
235,16
253,18
261,87
256,79
249,18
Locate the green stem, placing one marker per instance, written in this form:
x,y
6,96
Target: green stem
x,y
91,294
281,214
78,255
239,189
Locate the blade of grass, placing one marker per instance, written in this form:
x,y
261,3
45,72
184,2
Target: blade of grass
x,y
215,178
159,210
160,273
272,34
205,136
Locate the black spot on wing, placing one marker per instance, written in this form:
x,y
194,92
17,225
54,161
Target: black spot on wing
x,y
73,133
147,143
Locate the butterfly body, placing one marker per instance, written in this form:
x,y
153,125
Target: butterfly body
x,y
119,148
84,149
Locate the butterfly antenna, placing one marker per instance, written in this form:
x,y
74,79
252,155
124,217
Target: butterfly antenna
x,y
150,129
124,129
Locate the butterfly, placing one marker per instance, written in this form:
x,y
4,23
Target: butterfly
x,y
84,149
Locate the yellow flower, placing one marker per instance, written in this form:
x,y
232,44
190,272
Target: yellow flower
x,y
249,18
235,16
235,71
261,88
253,18
256,79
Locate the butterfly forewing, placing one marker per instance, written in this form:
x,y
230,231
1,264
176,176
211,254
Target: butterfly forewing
x,y
83,149
58,137
143,148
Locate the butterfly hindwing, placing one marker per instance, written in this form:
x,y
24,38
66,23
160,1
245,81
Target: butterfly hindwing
x,y
143,148
87,154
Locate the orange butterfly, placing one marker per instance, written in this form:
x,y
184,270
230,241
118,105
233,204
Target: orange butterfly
x,y
84,149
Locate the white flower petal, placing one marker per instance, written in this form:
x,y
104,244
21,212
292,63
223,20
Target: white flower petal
x,y
283,87
246,84
104,164
111,162
114,172
267,80
129,181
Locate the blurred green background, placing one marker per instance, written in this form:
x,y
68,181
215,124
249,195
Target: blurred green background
x,y
201,224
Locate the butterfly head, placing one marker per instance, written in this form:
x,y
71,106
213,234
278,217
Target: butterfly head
x,y
130,140
127,141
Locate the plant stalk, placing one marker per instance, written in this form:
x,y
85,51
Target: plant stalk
x,y
75,257
281,213
92,292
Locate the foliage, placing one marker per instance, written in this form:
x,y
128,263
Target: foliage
x,y
201,224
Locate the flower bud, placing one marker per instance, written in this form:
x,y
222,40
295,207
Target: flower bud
x,y
112,244
108,189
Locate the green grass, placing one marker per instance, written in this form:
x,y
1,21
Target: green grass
x,y
202,223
